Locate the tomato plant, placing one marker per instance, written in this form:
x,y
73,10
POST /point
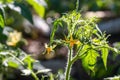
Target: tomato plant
x,y
83,39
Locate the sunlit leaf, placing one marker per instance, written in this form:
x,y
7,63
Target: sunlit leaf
x,y
37,7
13,64
82,52
29,60
104,56
1,21
89,61
6,1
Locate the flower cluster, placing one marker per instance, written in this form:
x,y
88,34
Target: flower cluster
x,y
13,38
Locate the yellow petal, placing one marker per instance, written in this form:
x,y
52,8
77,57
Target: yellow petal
x,y
11,43
49,49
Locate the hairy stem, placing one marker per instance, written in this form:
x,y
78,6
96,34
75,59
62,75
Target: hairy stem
x,y
70,62
34,76
69,65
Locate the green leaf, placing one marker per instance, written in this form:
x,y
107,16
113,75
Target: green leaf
x,y
2,11
2,15
13,64
54,29
25,12
6,1
29,60
89,61
82,52
37,7
104,56
51,76
1,21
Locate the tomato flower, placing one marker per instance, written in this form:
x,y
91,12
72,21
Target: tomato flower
x,y
13,38
49,49
72,42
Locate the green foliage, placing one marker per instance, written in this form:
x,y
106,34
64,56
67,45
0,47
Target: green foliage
x,y
51,77
84,5
84,36
13,64
37,7
17,6
24,11
16,58
6,1
9,56
13,57
90,37
90,59
29,62
21,6
1,21
104,56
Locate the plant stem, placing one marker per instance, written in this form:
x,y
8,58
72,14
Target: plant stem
x,y
69,65
17,59
70,62
35,76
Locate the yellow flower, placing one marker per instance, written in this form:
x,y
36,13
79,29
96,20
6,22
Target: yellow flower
x,y
13,38
49,49
72,42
